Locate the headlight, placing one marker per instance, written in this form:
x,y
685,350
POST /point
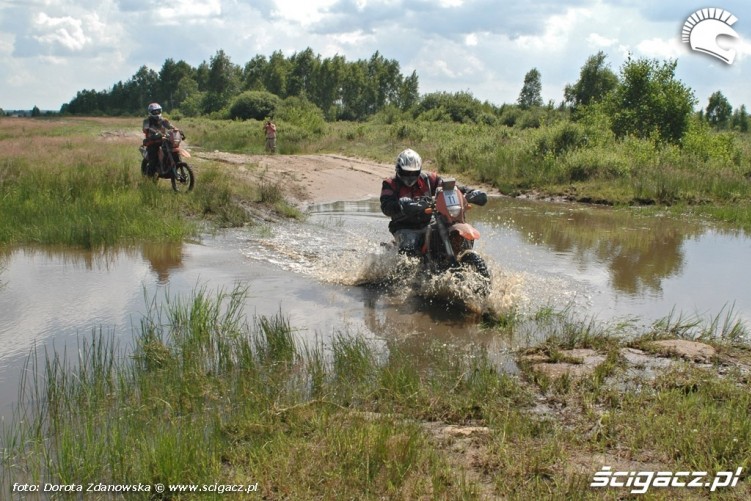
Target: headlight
x,y
454,210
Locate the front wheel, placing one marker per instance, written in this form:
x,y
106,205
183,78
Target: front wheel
x,y
481,277
183,180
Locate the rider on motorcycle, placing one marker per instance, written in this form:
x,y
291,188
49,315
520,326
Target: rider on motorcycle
x,y
154,128
406,195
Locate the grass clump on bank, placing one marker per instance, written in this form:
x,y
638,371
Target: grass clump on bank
x,y
207,398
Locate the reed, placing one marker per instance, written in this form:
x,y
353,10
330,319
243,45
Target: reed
x,y
207,396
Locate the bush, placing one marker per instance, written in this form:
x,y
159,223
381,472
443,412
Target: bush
x,y
705,145
586,164
302,113
560,138
252,104
459,107
408,131
650,102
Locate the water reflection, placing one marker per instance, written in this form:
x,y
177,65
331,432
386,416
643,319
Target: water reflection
x,y
48,291
640,252
163,259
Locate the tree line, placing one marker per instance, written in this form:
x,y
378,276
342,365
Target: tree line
x,y
644,99
343,90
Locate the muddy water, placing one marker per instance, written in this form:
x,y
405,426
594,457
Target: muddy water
x,y
331,274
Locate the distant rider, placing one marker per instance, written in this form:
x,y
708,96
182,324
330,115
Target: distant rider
x,y
406,195
154,128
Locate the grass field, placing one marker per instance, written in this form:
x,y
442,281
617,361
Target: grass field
x,y
77,182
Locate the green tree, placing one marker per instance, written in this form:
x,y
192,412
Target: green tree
x,y
531,93
596,80
740,119
650,102
409,92
253,73
223,82
277,73
330,78
354,87
303,69
718,111
35,111
145,85
202,76
170,76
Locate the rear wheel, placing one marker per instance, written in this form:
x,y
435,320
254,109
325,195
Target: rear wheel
x,y
184,179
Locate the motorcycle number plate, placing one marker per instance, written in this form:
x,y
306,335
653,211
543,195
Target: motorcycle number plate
x,y
451,198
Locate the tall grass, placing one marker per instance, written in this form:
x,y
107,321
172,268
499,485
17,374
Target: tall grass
x,y
207,396
77,182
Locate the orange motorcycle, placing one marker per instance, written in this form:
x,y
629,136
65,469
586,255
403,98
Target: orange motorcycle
x,y
447,244
171,165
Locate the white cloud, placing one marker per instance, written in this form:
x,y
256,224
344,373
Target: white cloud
x,y
188,11
598,41
558,31
661,48
450,3
303,13
64,31
471,40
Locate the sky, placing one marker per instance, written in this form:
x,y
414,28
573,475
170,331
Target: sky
x,y
51,49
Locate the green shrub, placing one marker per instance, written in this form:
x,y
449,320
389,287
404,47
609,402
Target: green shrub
x,y
410,131
561,138
585,164
253,104
303,114
705,145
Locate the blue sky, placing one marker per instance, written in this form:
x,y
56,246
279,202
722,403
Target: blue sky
x,y
50,49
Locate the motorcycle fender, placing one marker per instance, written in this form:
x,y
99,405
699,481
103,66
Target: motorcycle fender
x,y
467,231
183,153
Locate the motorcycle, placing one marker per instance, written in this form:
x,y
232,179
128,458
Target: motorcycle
x,y
171,165
448,241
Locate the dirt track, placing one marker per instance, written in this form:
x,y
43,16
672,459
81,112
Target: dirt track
x,y
310,178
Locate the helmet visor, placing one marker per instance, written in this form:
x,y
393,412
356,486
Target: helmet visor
x,y
156,112
409,177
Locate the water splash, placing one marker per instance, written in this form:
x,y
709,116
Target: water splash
x,y
332,253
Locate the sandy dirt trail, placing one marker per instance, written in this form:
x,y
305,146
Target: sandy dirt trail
x,y
308,179
311,179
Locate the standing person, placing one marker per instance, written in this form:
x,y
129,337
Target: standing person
x,y
154,128
270,129
406,195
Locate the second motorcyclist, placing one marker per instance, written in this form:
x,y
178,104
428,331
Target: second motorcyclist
x,y
154,128
406,195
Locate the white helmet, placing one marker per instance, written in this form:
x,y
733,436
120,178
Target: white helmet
x,y
408,166
155,110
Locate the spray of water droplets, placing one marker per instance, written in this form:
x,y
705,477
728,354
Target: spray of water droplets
x,y
352,259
